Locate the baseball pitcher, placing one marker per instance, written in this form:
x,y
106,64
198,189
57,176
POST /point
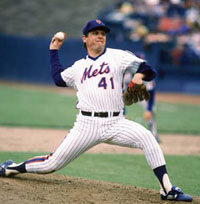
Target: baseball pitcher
x,y
98,80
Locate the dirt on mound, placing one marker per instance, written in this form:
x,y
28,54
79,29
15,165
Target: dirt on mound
x,y
58,189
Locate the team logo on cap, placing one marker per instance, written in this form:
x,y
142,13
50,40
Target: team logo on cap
x,y
98,21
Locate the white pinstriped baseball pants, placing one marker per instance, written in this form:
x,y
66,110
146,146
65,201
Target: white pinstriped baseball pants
x,y
89,131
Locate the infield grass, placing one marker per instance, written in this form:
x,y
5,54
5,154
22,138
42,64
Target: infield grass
x,y
39,108
126,169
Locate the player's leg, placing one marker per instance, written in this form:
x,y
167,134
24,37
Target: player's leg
x,y
71,147
130,134
75,143
82,137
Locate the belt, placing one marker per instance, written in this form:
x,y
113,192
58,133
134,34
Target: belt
x,y
101,114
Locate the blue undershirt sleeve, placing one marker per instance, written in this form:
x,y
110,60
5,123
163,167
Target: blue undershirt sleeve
x,y
56,69
147,70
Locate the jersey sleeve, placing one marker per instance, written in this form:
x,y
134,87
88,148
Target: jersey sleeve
x,y
130,62
62,77
134,64
147,70
68,76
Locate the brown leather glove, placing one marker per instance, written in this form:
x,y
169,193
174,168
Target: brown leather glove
x,y
135,93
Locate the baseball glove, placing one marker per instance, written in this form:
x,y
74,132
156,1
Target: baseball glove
x,y
135,93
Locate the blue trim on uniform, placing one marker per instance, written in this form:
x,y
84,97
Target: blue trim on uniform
x,y
21,168
147,70
95,58
56,69
38,159
159,172
35,160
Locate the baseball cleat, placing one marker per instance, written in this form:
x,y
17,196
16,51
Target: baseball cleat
x,y
176,194
3,167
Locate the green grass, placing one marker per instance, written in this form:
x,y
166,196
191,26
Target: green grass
x,y
37,108
34,108
127,169
171,118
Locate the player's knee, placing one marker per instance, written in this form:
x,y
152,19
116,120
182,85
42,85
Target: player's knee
x,y
147,139
50,169
52,166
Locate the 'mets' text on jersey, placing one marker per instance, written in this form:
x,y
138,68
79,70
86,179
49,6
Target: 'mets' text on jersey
x,y
99,81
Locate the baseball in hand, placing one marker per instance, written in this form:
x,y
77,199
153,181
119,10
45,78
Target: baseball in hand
x,y
60,36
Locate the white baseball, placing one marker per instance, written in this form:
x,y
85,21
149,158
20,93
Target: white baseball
x,y
60,36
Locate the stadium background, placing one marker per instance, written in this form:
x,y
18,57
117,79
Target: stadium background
x,y
26,28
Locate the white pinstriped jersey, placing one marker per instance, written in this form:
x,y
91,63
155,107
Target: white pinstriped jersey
x,y
99,85
99,81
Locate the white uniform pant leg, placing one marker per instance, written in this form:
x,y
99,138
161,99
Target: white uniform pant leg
x,y
131,134
77,141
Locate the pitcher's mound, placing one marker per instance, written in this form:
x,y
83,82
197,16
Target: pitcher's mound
x,y
58,189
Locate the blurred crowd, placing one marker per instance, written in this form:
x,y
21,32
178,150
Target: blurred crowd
x,y
172,22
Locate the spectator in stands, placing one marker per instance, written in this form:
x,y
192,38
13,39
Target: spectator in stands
x,y
160,21
118,19
192,14
175,9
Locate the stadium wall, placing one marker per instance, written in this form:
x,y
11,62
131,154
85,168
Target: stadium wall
x,y
26,59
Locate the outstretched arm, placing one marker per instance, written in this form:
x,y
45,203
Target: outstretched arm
x,y
56,67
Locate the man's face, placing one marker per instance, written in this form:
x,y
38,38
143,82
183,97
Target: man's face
x,y
95,40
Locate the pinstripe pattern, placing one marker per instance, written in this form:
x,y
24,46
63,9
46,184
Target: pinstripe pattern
x,y
131,134
86,74
99,85
90,131
72,146
69,77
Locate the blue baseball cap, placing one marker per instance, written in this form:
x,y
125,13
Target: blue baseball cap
x,y
95,25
